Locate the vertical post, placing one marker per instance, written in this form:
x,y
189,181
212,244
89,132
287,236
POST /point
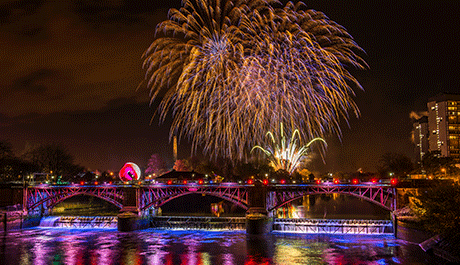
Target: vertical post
x,y
395,199
257,220
128,217
24,200
394,218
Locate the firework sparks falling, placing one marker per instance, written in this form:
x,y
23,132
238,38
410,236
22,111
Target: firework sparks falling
x,y
286,153
231,71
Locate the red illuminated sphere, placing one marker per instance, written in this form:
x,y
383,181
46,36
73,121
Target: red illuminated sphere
x,y
130,171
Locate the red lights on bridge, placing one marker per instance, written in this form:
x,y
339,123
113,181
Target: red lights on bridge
x,y
265,181
318,181
394,181
169,182
374,180
184,182
336,181
355,181
200,182
250,181
283,181
82,183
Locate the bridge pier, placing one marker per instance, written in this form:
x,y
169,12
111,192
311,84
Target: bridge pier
x,y
129,218
258,221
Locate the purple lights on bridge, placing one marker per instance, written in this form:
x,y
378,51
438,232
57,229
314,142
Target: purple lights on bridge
x,y
155,195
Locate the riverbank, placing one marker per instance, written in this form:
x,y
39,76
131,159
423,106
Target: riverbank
x,y
410,231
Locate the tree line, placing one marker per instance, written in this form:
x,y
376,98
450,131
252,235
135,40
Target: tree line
x,y
56,160
49,158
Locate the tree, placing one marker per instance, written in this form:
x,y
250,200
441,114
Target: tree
x,y
6,150
194,162
13,168
181,165
396,163
53,159
438,209
209,168
436,165
305,175
156,166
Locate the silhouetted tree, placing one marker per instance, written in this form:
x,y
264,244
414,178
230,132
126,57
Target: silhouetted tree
x,y
156,166
439,211
436,165
53,159
398,164
181,165
194,162
13,168
6,150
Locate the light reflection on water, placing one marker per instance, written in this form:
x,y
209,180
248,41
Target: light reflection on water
x,y
108,246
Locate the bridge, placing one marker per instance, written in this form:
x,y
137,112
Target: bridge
x,y
142,198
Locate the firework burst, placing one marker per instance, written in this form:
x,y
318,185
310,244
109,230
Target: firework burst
x,y
231,71
286,153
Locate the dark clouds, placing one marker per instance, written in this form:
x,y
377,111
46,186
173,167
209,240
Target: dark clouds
x,y
32,82
74,54
70,69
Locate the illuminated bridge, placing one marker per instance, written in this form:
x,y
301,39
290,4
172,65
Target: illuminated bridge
x,y
142,198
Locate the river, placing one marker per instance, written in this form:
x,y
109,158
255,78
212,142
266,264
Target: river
x,y
41,246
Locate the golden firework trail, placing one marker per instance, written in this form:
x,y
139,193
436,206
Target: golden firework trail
x,y
286,153
229,71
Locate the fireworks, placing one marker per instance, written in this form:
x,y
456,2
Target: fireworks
x,y
286,153
231,71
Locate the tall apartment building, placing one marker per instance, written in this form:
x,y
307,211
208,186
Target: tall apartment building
x,y
420,138
444,125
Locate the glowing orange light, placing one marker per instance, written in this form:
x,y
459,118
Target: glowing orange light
x,y
185,182
110,182
95,183
81,182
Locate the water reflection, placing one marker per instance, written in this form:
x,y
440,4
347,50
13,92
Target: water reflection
x,y
80,246
259,249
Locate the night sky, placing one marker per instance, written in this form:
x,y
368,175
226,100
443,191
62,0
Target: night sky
x,y
70,69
